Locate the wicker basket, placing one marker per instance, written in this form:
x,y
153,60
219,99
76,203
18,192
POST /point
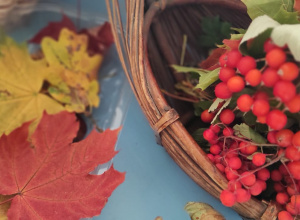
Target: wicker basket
x,y
149,44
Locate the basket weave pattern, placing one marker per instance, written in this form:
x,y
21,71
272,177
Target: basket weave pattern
x,y
149,44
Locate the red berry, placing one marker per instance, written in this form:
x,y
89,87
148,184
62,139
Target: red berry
x,y
227,198
275,57
226,73
244,102
223,60
291,209
284,90
211,157
233,185
261,95
263,174
285,215
209,135
259,159
296,139
215,128
276,175
253,77
246,64
247,178
242,195
270,77
294,104
276,119
269,45
288,71
231,174
282,169
294,168
272,137
222,91
220,167
215,149
227,131
278,187
233,57
292,153
235,163
236,84
227,116
260,107
284,137
257,188
247,148
262,119
282,198
207,116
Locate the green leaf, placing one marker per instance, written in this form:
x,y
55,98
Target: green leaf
x,y
185,69
260,29
207,78
288,35
198,137
199,107
244,131
214,31
200,210
279,10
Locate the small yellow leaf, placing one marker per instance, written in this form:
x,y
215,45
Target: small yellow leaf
x,y
202,211
72,67
21,81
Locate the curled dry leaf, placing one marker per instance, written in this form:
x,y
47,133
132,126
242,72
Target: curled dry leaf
x,y
48,178
202,211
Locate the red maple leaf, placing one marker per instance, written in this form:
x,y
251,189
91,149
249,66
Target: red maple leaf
x,y
49,176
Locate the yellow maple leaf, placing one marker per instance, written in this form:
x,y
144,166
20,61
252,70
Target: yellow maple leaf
x,y
21,81
73,79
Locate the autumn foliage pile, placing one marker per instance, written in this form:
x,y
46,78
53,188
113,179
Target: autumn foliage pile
x,y
44,173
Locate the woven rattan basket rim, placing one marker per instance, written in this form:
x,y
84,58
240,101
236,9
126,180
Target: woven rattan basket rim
x,y
162,118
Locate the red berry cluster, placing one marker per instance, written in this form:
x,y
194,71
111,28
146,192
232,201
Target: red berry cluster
x,y
245,166
277,75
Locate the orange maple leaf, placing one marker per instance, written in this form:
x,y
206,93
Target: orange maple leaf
x,y
48,178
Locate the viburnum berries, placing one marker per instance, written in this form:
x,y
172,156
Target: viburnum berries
x,y
264,92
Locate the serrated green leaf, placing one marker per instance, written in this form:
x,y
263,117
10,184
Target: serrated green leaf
x,y
214,31
260,29
288,35
279,10
244,131
207,78
263,27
